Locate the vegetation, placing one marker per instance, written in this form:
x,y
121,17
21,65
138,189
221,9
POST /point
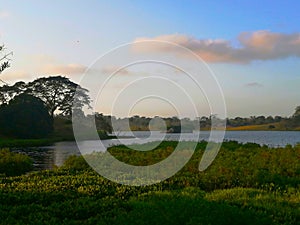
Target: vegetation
x,y
25,117
246,184
14,164
27,109
9,143
141,123
58,94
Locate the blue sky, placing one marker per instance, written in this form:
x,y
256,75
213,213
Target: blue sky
x,y
65,37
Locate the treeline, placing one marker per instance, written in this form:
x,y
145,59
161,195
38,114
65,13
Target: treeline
x,y
142,123
44,106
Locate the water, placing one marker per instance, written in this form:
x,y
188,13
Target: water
x,y
47,157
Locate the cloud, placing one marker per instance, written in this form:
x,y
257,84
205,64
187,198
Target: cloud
x,y
68,69
8,76
108,70
253,84
258,45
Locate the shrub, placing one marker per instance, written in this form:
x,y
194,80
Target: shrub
x,y
14,164
75,163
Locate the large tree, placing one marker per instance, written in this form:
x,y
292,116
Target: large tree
x,y
58,94
25,117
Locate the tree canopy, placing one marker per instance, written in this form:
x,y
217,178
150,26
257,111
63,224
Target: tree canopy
x,y
25,117
57,93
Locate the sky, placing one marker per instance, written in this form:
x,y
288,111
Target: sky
x,y
252,50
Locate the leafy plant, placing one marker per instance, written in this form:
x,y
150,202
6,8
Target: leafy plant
x,y
14,164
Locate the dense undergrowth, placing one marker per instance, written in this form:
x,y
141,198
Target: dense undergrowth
x,y
246,184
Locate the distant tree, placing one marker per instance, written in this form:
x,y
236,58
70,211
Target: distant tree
x,y
25,117
103,122
57,93
269,119
278,118
297,112
296,117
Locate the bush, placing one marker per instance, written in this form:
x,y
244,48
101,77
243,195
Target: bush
x,y
25,117
75,163
14,164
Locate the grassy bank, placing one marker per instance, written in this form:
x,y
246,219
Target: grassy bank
x,y
263,127
246,184
8,143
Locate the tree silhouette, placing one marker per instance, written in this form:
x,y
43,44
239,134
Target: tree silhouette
x,y
25,117
57,93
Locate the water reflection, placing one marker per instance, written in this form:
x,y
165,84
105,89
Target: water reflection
x,y
48,157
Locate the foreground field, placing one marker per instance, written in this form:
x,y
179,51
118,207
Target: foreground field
x,y
246,184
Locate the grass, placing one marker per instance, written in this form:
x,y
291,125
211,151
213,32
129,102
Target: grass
x,y
86,198
7,143
263,127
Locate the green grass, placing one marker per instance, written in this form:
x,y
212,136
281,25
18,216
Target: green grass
x,y
7,143
246,184
87,198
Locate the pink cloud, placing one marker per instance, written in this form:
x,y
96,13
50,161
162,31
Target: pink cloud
x,y
258,45
114,69
68,69
9,76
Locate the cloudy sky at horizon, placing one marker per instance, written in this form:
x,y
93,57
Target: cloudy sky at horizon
x,y
253,47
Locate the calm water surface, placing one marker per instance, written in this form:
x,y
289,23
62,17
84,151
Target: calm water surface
x,y
47,157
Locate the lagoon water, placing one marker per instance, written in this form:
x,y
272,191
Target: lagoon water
x,y
47,157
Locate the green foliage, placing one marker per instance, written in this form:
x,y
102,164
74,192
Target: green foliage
x,y
246,184
75,163
282,206
236,165
25,117
52,197
8,143
185,207
14,164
